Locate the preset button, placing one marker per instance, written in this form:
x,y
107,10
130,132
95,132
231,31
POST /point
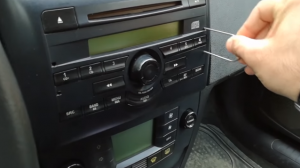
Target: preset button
x,y
200,41
186,44
66,77
115,64
168,50
91,70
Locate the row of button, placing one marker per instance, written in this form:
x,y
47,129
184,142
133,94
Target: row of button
x,y
174,48
89,71
183,76
166,126
92,108
155,158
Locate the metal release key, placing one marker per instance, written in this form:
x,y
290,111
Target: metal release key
x,y
222,32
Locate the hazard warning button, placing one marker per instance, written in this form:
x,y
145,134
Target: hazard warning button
x,y
59,20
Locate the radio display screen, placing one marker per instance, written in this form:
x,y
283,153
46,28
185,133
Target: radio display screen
x,y
132,141
122,40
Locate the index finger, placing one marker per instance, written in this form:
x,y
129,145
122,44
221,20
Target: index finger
x,y
261,16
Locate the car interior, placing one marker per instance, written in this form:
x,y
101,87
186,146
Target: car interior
x,y
132,84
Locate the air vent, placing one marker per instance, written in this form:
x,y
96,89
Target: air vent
x,y
134,10
140,164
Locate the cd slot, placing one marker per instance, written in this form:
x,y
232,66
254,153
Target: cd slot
x,y
137,11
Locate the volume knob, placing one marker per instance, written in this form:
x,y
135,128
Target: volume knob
x,y
145,69
188,119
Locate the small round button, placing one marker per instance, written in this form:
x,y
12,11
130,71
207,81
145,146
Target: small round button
x,y
150,72
188,119
145,69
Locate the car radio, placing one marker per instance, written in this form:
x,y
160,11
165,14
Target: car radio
x,y
116,84
134,76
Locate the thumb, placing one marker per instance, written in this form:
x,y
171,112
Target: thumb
x,y
245,48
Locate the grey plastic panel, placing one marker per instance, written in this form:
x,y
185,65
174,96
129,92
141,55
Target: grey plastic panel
x,y
226,15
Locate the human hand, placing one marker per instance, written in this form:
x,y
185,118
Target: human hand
x,y
269,44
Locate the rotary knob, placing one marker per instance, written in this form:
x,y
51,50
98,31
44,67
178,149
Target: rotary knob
x,y
188,119
145,69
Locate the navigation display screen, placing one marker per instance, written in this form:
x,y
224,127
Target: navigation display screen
x,y
132,141
122,40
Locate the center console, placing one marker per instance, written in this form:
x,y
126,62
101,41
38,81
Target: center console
x,y
119,83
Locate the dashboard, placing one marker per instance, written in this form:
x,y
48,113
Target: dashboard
x,y
116,83
110,84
